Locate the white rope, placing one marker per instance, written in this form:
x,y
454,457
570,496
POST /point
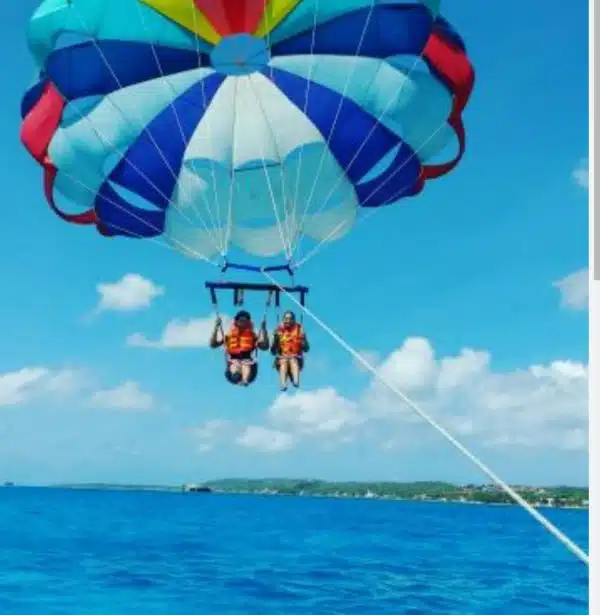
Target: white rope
x,y
396,196
298,227
565,540
336,117
142,124
248,81
158,240
232,177
285,238
378,121
193,10
215,239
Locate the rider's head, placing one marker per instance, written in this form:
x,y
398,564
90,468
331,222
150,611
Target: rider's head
x,y
289,318
242,319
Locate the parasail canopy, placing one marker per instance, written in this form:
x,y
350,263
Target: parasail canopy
x,y
248,125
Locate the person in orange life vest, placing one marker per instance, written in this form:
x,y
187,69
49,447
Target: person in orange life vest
x,y
241,343
289,345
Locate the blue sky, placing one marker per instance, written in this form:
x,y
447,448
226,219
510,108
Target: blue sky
x,y
475,262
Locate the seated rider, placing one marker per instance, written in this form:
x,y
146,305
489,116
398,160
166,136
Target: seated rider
x,y
241,345
289,345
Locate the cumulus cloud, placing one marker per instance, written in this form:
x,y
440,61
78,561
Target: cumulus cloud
x,y
193,333
322,411
126,396
370,356
209,433
574,290
131,293
581,173
541,405
31,383
412,366
536,406
265,439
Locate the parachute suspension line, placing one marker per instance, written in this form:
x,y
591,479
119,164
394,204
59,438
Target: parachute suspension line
x,y
378,119
339,107
336,183
316,249
270,186
143,127
288,248
213,234
552,529
209,130
298,227
396,196
232,178
270,295
160,242
285,238
110,147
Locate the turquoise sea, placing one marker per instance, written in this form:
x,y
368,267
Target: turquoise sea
x,y
68,552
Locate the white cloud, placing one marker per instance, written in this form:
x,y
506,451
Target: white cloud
x,y
193,333
126,396
456,371
209,433
581,173
265,439
131,293
412,366
574,290
31,383
543,405
539,406
370,356
322,411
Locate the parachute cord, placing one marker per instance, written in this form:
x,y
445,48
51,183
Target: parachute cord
x,y
552,529
144,129
374,210
334,125
161,242
232,177
142,125
185,141
267,306
298,227
286,245
225,240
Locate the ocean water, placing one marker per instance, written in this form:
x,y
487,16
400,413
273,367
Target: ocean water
x,y
118,553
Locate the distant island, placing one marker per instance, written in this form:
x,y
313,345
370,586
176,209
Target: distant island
x,y
557,496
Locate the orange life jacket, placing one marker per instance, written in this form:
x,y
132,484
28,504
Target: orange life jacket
x,y
241,340
291,340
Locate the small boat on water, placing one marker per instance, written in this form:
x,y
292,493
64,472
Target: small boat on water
x,y
191,488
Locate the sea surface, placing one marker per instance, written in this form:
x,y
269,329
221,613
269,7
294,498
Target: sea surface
x,y
66,552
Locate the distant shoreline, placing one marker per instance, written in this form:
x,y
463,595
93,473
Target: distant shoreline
x,y
567,497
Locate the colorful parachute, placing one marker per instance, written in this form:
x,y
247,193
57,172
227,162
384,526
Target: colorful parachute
x,y
241,124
